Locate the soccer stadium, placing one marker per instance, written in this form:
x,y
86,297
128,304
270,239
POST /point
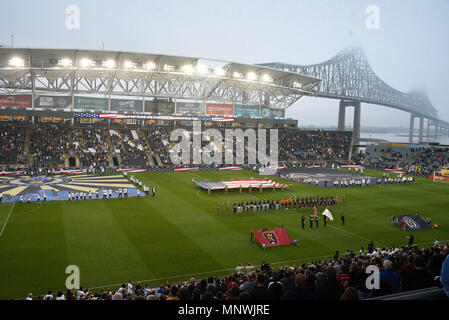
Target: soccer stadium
x,y
143,176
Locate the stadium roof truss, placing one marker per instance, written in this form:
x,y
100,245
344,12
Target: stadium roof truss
x,y
108,73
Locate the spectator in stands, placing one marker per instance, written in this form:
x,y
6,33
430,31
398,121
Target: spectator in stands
x,y
330,289
417,278
260,292
299,291
389,276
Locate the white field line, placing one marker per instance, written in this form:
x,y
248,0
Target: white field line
x,y
7,218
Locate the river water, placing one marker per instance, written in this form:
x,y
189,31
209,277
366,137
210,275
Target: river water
x,y
393,137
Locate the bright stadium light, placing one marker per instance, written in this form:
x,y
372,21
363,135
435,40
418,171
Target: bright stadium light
x,y
17,62
86,63
129,64
267,78
65,62
219,72
297,85
169,68
150,65
187,69
109,64
237,75
201,69
251,76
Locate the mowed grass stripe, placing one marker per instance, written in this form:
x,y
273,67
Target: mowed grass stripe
x,y
221,242
32,249
161,244
99,246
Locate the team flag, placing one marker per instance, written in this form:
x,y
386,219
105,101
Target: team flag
x,y
273,238
328,214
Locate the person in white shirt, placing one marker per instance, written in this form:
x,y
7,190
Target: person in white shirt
x,y
29,297
436,244
110,193
48,296
130,288
80,292
60,296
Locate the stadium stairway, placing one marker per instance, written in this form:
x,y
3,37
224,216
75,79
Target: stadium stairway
x,y
146,145
111,149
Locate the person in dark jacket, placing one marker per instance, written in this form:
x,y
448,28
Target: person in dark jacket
x,y
417,278
299,291
261,291
435,263
330,289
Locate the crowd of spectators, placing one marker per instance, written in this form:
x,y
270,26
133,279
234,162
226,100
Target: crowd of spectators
x,y
12,142
48,143
342,277
314,145
93,150
134,152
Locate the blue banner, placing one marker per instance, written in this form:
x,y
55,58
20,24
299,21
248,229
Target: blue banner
x,y
242,110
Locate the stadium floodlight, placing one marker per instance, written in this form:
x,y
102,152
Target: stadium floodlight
x,y
86,63
267,78
169,68
237,75
202,69
297,85
17,62
150,65
65,62
188,68
219,71
251,76
129,64
109,64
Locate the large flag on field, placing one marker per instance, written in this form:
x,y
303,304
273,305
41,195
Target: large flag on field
x,y
328,214
235,184
273,238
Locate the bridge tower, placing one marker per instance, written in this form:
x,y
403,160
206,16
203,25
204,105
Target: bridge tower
x,y
411,132
357,117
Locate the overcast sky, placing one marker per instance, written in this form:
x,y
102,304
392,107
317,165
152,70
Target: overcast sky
x,y
409,50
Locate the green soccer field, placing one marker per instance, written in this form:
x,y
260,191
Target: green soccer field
x,y
179,234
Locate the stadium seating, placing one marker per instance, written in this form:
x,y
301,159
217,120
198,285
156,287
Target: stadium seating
x,y
52,145
406,273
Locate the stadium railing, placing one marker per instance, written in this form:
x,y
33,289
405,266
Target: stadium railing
x,y
433,293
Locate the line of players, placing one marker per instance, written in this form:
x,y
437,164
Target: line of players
x,y
270,205
122,193
365,182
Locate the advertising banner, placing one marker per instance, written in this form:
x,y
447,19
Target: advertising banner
x,y
165,107
242,110
126,105
53,102
188,108
19,101
220,109
87,103
162,107
276,113
265,112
